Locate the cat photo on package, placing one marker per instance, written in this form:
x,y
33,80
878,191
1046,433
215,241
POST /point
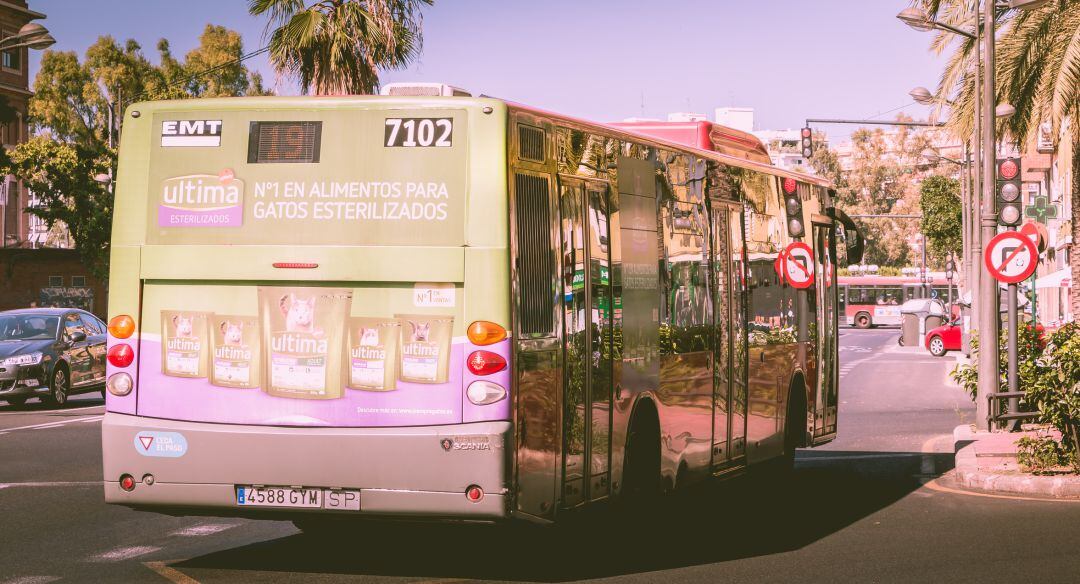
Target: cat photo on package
x,y
185,344
236,351
303,335
425,347
372,354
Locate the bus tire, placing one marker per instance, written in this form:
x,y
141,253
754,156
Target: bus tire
x,y
641,472
862,320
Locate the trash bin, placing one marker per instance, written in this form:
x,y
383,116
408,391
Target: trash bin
x,y
909,329
920,315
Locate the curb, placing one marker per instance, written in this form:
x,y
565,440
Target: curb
x,y
1009,479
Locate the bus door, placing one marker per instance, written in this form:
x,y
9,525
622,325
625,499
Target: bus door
x,y
729,370
828,336
587,351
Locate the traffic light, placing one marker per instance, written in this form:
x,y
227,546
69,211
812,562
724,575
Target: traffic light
x,y
1009,201
807,141
793,205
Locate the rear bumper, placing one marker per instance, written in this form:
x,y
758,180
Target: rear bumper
x,y
415,472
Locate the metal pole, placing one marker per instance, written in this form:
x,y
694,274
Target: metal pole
x,y
976,182
925,288
1014,377
965,218
989,318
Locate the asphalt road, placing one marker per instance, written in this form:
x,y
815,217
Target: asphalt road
x,y
870,507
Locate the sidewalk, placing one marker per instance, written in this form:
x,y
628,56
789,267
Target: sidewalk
x,y
986,461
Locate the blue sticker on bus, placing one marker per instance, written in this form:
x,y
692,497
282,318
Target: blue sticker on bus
x,y
164,444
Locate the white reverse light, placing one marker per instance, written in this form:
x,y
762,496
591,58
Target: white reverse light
x,y
482,393
119,384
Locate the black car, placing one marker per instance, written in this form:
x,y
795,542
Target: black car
x,y
50,353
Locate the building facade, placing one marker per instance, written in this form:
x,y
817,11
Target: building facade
x,y
16,226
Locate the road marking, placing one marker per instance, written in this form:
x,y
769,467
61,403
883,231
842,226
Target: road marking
x,y
935,485
125,553
31,580
205,529
171,574
53,424
53,484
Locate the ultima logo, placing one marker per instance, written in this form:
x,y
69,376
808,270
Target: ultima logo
x,y
202,200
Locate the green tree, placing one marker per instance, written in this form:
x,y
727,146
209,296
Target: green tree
x,y
339,46
1037,70
60,174
879,179
942,224
71,110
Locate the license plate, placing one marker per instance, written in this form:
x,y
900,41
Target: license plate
x,y
278,497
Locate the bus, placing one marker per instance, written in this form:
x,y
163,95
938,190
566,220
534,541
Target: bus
x,y
705,135
445,307
868,301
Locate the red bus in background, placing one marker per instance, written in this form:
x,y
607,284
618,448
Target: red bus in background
x,y
705,135
875,300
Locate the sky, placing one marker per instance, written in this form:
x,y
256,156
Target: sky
x,y
604,59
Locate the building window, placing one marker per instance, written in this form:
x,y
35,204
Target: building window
x,y
56,281
12,59
78,281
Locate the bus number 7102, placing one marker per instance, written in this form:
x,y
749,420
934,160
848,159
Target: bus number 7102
x,y
424,132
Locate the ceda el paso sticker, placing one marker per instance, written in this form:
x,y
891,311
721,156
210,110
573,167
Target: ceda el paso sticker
x,y
202,200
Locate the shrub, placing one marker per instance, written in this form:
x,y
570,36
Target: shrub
x,y
1042,454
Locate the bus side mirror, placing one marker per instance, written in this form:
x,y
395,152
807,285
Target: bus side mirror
x,y
854,242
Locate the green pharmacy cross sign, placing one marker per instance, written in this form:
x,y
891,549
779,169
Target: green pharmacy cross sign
x,y
1040,210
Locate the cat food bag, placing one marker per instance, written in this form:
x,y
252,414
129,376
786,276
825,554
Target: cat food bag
x,y
303,335
235,351
425,347
185,344
372,353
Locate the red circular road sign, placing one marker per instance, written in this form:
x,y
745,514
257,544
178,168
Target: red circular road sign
x,y
1037,233
1011,257
798,265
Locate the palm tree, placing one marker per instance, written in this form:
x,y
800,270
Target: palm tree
x,y
337,47
1037,70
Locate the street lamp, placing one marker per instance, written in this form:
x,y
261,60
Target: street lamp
x,y
31,35
989,324
1004,110
918,20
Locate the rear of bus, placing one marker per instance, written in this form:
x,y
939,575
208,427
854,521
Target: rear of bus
x,y
308,308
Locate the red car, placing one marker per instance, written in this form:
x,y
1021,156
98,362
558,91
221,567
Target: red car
x,y
945,338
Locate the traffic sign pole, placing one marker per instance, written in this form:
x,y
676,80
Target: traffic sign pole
x,y
1014,377
1011,257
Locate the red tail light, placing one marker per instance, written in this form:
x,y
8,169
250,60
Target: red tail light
x,y
121,355
485,363
127,482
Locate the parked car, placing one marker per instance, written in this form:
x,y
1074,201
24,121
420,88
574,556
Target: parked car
x,y
50,353
945,338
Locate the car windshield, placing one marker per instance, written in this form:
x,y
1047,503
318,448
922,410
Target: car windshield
x,y
28,327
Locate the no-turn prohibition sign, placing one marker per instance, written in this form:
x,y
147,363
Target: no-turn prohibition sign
x,y
798,265
1011,257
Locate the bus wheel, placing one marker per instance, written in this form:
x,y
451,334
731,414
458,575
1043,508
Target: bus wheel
x,y
641,473
862,320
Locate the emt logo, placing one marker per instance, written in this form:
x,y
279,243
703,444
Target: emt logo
x,y
191,133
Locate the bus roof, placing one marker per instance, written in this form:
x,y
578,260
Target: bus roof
x,y
338,102
703,134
